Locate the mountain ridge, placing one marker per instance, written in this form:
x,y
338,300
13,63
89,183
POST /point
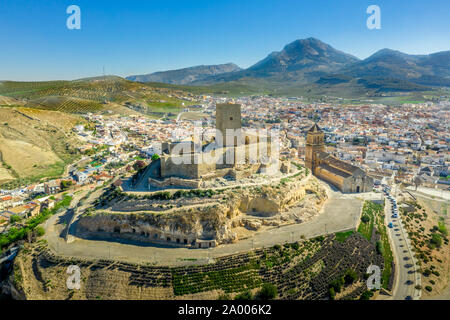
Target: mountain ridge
x,y
306,62
185,75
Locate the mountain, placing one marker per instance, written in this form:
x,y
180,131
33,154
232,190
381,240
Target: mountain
x,y
186,75
432,70
308,54
312,66
301,61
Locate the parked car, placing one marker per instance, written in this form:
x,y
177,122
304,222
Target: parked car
x,y
390,225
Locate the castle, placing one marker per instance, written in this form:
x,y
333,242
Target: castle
x,y
232,154
346,177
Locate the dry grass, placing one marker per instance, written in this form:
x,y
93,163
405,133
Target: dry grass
x,y
36,143
436,260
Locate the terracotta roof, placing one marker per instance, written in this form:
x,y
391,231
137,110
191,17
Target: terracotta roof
x,y
6,198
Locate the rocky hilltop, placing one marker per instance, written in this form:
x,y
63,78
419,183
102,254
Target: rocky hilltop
x,y
188,217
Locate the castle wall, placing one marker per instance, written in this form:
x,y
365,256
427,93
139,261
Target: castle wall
x,y
226,158
175,181
174,166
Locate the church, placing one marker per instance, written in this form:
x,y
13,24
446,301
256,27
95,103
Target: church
x,y
344,176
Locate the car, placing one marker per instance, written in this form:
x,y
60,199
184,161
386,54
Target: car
x,y
390,225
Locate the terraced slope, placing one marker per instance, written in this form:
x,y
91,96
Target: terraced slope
x,y
89,95
303,270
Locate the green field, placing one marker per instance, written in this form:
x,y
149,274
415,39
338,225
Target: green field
x,y
342,236
375,212
366,228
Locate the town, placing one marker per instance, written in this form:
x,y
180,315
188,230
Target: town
x,y
406,143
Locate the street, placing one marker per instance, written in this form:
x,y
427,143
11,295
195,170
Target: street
x,y
406,276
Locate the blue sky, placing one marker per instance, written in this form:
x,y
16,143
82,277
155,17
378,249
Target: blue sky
x,y
136,37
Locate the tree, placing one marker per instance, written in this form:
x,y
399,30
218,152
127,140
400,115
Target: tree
x,y
332,293
436,240
155,157
350,276
379,246
337,284
66,184
267,292
14,218
40,231
366,295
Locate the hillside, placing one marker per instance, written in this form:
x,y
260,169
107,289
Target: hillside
x,y
35,144
97,94
186,75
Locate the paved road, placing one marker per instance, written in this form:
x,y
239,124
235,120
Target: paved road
x,y
406,277
339,213
431,192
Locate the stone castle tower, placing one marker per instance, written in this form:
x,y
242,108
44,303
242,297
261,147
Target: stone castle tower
x,y
228,116
315,142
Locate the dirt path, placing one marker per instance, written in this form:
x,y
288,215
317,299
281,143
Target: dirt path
x,y
340,212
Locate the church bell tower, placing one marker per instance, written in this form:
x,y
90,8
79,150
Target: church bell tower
x,y
315,142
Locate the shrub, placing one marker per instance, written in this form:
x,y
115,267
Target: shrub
x,y
379,246
244,296
14,218
337,284
40,231
442,228
428,288
331,293
366,295
267,292
436,240
350,276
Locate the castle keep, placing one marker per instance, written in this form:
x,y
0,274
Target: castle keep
x,y
346,177
232,154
